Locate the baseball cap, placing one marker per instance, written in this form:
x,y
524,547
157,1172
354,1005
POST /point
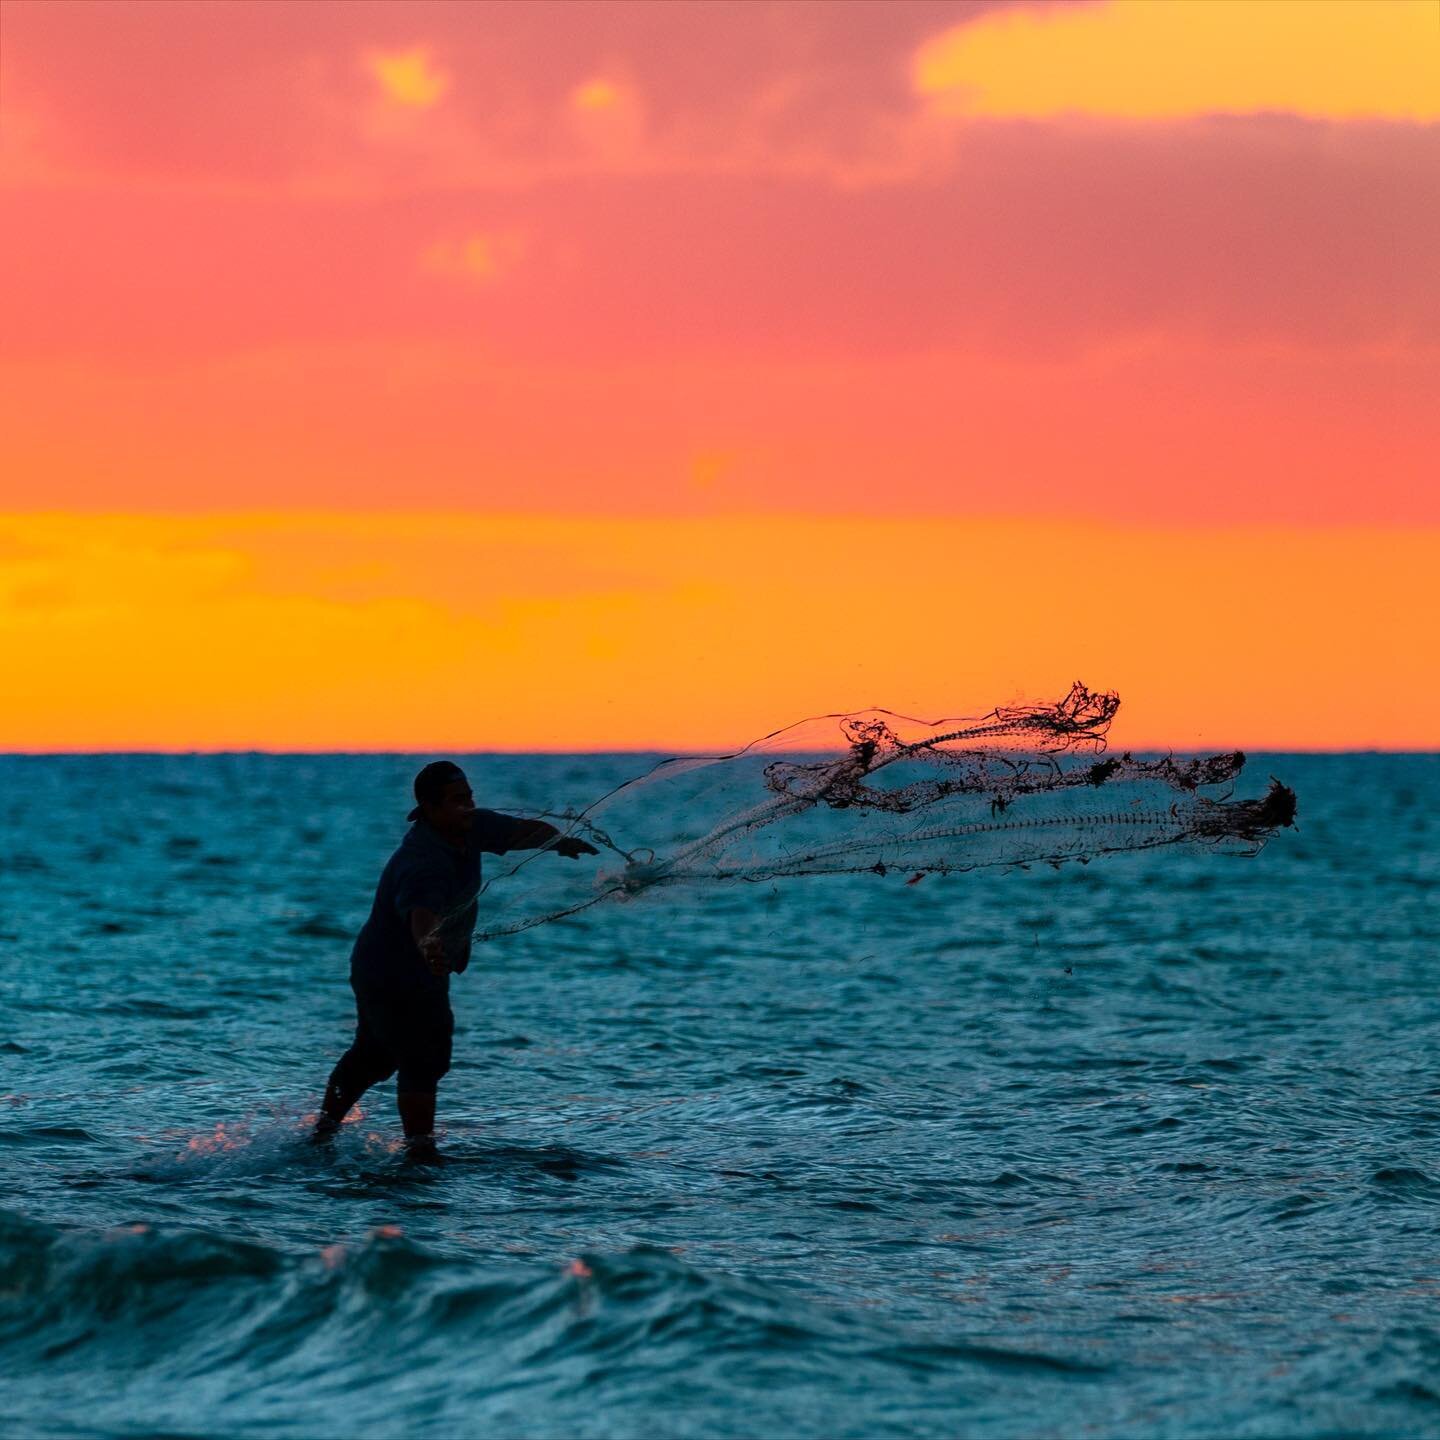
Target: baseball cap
x,y
430,783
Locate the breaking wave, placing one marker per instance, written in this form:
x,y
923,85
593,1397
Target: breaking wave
x,y
411,1341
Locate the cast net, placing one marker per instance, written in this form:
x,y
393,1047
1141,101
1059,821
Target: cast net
x,y
878,793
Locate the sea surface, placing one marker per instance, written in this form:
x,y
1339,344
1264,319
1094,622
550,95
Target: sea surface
x,y
1145,1148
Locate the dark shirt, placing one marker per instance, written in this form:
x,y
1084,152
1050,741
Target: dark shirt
x,y
426,872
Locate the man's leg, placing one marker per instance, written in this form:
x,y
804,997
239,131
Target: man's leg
x,y
424,1062
417,1115
364,1064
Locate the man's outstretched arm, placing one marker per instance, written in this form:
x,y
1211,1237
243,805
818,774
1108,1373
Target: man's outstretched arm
x,y
537,834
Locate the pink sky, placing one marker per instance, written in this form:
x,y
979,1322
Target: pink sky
x,y
1148,266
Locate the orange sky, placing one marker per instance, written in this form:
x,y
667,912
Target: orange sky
x,y
407,375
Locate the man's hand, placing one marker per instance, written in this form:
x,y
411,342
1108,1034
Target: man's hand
x,y
425,930
432,951
572,847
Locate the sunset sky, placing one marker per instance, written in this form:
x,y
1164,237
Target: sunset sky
x,y
467,376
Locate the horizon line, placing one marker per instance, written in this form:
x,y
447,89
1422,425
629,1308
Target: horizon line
x,y
665,751
1078,518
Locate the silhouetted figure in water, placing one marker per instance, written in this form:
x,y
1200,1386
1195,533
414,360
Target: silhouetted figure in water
x,y
419,933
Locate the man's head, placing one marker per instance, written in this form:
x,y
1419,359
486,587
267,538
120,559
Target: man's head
x,y
443,797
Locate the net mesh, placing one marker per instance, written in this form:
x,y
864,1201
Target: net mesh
x,y
875,792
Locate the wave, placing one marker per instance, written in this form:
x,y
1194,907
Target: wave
x,y
387,1335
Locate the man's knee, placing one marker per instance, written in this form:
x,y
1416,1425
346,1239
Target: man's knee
x,y
425,1058
359,1069
422,1074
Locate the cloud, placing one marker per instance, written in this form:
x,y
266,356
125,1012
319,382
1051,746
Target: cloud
x,y
595,95
1043,241
483,256
272,103
409,77
1166,59
708,467
607,117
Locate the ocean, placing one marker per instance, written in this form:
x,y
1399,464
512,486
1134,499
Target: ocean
x,y
1145,1148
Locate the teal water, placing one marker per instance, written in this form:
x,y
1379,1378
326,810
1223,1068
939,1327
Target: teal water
x,y
1146,1148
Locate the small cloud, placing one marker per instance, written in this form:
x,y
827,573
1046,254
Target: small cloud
x,y
409,77
596,95
608,118
708,467
484,255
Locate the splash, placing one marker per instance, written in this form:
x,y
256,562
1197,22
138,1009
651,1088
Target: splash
x,y
874,792
225,1137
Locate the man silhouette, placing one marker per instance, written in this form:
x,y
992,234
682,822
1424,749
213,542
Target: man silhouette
x,y
417,935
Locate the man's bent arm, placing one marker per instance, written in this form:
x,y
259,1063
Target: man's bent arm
x,y
425,931
423,922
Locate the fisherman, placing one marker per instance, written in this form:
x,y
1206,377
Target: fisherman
x,y
418,934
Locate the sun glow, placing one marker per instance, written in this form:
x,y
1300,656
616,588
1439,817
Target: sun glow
x,y
1164,59
296,631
